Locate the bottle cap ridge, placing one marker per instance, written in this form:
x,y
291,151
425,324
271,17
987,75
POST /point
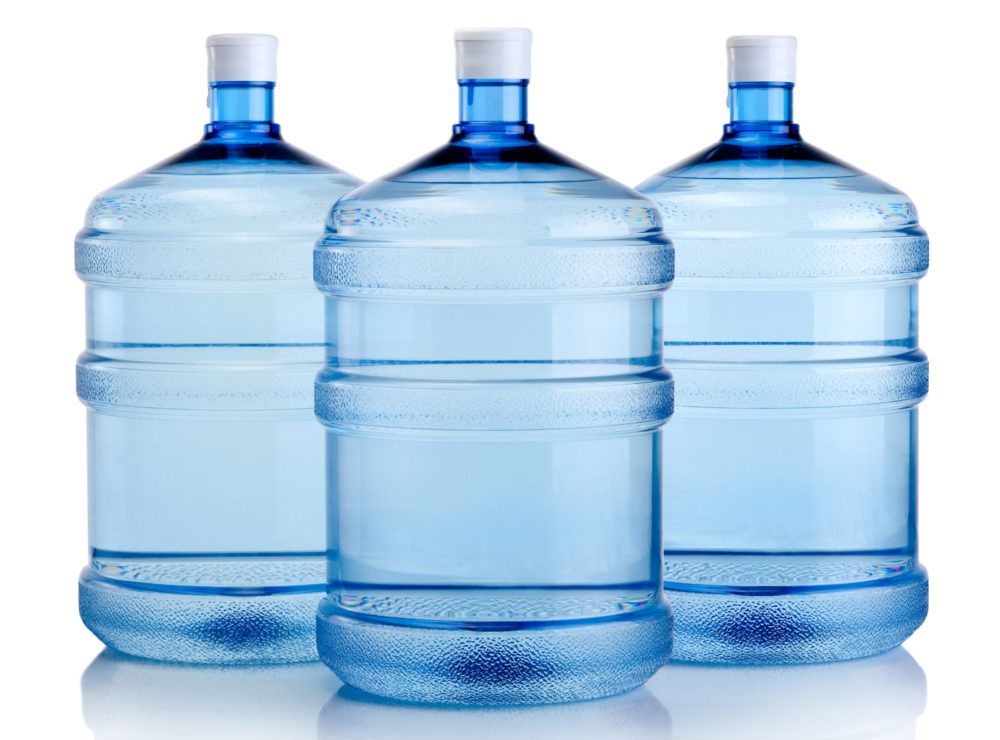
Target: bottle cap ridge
x,y
242,57
761,58
493,53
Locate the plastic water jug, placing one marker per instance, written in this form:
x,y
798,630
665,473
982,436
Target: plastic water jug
x,y
493,401
790,465
204,335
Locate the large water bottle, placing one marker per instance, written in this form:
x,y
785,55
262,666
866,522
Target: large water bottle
x,y
790,468
493,400
204,333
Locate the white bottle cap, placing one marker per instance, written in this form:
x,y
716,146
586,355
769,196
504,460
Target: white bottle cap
x,y
493,53
761,58
242,57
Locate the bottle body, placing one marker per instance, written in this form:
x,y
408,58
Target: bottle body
x,y
493,402
204,333
790,466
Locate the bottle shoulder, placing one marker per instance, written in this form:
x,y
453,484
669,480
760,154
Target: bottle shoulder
x,y
223,153
221,186
761,156
783,185
521,190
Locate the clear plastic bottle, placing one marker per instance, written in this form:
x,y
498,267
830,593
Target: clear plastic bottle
x,y
493,401
790,466
204,334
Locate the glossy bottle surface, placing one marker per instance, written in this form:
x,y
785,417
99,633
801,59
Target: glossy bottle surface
x,y
493,401
204,334
791,331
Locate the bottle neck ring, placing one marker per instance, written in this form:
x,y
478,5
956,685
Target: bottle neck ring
x,y
241,106
761,106
499,106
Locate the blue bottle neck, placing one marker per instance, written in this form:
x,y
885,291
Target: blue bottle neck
x,y
241,109
761,108
493,107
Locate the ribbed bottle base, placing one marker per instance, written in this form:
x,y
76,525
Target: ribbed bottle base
x,y
532,665
214,628
812,626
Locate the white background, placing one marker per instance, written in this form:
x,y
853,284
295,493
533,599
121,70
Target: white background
x,y
95,91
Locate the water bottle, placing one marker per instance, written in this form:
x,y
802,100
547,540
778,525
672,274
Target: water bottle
x,y
493,399
790,467
204,334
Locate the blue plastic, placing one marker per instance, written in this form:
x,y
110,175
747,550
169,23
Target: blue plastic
x,y
204,334
790,465
493,400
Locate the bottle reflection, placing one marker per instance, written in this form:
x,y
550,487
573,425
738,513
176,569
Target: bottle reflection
x,y
126,697
873,699
354,715
876,698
